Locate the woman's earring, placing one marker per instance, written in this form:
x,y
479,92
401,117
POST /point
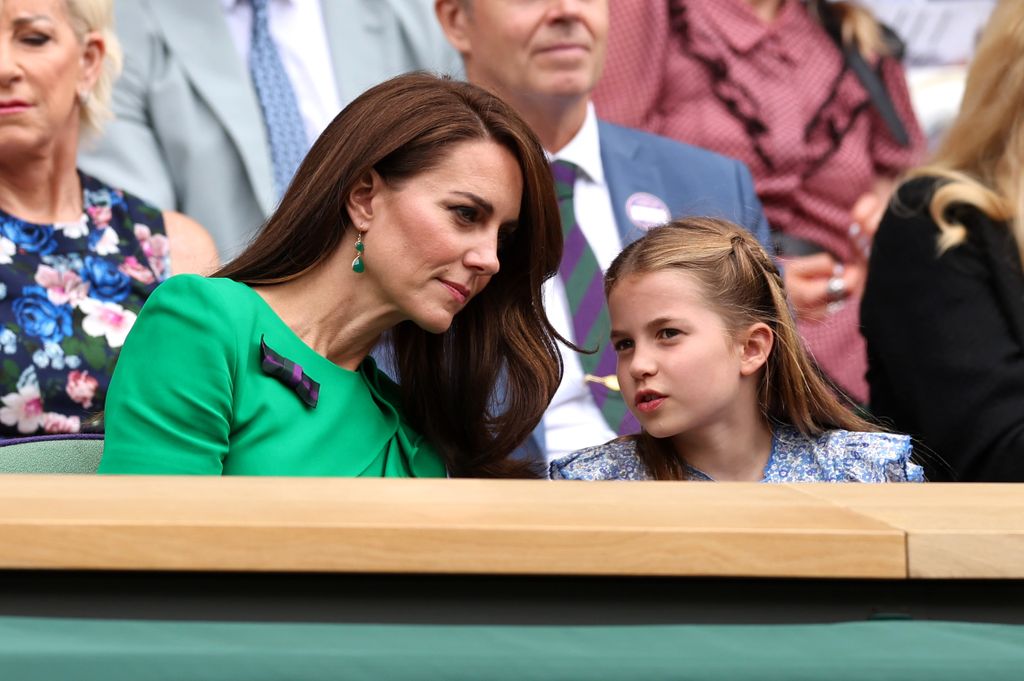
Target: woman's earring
x,y
83,97
357,265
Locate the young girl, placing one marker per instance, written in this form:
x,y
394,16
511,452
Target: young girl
x,y
710,363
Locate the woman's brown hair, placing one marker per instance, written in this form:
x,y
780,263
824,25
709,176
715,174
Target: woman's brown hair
x,y
477,390
741,282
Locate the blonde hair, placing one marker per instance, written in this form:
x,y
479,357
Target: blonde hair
x,y
97,15
980,156
742,283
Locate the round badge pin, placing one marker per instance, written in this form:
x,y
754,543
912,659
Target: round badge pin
x,y
647,210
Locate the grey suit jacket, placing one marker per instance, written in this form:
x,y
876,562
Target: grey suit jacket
x,y
188,133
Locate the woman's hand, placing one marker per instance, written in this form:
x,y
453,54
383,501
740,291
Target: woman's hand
x,y
818,284
866,215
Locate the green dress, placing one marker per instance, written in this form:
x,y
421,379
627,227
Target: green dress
x,y
195,393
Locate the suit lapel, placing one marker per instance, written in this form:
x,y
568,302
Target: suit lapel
x,y
627,173
200,41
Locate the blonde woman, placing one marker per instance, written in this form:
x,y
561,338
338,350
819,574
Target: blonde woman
x,y
710,364
77,257
943,312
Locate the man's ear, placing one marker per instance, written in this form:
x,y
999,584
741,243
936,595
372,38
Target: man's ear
x,y
453,17
756,344
360,202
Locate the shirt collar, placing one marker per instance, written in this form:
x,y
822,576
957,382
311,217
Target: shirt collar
x,y
584,149
736,22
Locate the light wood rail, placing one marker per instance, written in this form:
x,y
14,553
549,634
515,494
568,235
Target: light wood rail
x,y
439,527
953,531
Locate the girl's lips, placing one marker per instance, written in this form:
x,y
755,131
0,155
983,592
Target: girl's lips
x,y
649,405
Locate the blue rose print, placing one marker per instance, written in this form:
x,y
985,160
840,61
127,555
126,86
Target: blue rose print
x,y
40,318
28,237
106,282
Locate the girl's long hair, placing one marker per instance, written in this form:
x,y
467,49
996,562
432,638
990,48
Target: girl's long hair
x,y
741,283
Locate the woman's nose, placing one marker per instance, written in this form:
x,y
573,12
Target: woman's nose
x,y
8,68
483,257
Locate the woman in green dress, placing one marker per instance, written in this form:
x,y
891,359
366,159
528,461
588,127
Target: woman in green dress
x,y
424,214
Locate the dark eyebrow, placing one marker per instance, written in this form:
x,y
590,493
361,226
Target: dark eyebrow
x,y
487,207
654,323
483,203
661,321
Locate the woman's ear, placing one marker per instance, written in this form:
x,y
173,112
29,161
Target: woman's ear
x,y
755,346
94,49
360,202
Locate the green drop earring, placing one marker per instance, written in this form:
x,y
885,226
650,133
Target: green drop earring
x,y
357,265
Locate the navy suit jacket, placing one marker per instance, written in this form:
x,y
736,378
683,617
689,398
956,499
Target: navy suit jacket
x,y
690,182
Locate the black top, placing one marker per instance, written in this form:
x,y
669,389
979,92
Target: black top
x,y
945,339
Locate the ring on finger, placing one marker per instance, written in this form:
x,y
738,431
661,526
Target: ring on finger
x,y
835,290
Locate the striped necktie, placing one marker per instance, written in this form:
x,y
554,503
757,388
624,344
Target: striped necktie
x,y
584,288
285,128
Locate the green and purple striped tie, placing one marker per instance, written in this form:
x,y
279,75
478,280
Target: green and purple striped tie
x,y
584,288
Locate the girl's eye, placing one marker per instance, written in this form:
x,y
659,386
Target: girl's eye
x,y
669,333
622,345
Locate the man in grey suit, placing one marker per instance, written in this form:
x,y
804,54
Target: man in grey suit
x,y
190,134
544,57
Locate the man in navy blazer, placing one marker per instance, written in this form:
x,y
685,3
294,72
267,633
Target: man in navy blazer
x,y
544,57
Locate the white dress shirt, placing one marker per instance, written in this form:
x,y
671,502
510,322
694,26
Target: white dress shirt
x,y
297,29
573,420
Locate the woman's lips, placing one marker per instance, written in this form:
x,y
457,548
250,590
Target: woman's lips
x,y
13,106
458,291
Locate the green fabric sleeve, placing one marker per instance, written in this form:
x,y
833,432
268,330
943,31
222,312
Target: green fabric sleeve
x,y
169,407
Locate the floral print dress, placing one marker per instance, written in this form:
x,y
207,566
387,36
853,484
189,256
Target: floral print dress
x,y
69,294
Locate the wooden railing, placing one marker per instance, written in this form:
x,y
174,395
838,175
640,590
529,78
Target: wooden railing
x,y
511,527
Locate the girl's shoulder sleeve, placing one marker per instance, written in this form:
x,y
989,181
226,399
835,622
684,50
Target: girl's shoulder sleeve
x,y
871,457
615,460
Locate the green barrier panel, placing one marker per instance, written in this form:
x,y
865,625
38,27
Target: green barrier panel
x,y
33,649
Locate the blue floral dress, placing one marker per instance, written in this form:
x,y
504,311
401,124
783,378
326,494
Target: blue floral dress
x,y
833,456
69,294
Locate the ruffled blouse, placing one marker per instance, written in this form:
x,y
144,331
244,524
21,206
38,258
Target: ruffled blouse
x,y
777,96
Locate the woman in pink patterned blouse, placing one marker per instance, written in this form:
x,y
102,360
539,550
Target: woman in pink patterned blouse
x,y
764,81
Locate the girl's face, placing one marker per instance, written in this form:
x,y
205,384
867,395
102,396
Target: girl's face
x,y
680,370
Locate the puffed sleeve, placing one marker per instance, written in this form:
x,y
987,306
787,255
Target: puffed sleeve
x,y
169,408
